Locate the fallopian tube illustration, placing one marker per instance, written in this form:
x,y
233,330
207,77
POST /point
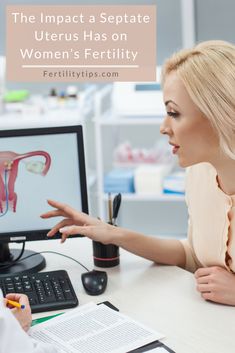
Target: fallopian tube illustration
x,y
9,162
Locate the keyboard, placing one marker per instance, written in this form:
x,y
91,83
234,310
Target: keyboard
x,y
46,291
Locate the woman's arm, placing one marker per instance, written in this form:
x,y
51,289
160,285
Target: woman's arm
x,y
163,251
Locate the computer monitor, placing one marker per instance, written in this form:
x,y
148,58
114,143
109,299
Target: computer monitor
x,y
36,165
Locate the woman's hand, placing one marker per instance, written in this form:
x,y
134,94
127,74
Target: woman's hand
x,y
216,284
75,222
22,315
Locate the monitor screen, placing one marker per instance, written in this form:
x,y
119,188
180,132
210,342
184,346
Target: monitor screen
x,y
36,165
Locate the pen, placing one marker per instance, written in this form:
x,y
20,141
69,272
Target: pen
x,y
15,304
116,205
110,207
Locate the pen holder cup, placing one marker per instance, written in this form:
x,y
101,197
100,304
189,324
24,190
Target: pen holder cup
x,y
105,255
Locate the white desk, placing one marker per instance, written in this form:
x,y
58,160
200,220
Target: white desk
x,y
163,297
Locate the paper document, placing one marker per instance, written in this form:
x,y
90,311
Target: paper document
x,y
94,328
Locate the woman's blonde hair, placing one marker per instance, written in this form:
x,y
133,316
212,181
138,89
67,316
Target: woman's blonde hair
x,y
208,73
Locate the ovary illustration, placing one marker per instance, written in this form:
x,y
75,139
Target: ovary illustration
x,y
9,162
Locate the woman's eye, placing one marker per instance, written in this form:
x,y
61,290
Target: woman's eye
x,y
173,114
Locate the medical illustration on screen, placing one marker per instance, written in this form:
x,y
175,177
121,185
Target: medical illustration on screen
x,y
9,162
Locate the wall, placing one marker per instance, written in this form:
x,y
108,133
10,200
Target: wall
x,y
215,20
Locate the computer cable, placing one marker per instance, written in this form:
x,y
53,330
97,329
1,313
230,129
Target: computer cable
x,y
12,263
57,253
94,282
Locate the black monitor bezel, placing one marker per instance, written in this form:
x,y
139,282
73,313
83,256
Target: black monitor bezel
x,y
41,234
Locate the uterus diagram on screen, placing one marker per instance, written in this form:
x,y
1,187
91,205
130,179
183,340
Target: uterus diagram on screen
x,y
9,162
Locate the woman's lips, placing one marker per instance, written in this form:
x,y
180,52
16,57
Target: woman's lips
x,y
175,149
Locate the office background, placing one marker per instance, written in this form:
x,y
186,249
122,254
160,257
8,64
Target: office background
x,y
180,23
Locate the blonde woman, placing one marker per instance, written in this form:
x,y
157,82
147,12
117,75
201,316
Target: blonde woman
x,y
199,87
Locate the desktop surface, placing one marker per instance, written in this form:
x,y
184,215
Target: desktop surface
x,y
162,297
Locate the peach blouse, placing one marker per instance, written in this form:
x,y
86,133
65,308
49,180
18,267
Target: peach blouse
x,y
211,230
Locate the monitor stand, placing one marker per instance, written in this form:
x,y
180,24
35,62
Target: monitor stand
x,y
23,266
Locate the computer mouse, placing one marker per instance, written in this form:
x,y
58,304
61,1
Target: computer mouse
x,y
94,282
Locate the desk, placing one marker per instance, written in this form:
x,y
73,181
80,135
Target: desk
x,y
162,297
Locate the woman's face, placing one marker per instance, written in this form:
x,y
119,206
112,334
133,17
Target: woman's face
x,y
189,131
